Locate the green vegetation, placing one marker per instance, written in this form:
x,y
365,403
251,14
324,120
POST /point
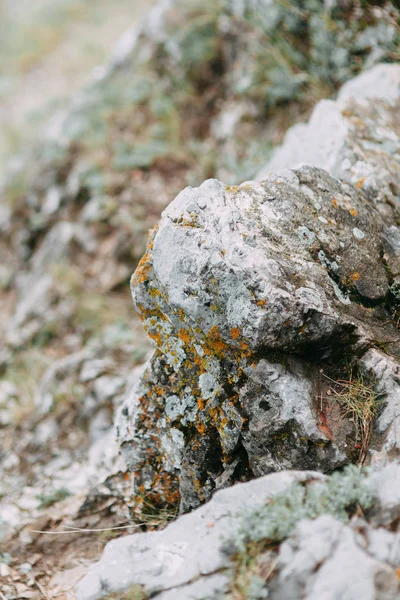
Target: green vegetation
x,y
47,500
31,30
277,519
341,496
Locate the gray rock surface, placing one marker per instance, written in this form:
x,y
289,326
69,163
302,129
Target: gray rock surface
x,y
355,138
386,373
243,290
216,405
196,556
189,548
325,559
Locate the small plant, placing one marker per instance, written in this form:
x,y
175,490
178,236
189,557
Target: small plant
x,y
360,402
342,495
251,573
47,500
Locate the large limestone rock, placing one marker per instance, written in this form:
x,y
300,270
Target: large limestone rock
x,y
250,294
202,555
355,138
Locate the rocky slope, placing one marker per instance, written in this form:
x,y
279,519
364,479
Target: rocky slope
x,y
273,309
194,94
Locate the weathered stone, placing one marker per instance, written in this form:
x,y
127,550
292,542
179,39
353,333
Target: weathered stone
x,y
187,549
199,555
355,138
326,559
282,428
237,283
386,373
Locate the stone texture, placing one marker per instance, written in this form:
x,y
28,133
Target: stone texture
x,y
189,548
242,290
196,556
326,559
386,373
355,138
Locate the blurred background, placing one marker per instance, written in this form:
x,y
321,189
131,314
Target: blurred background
x,y
107,110
47,52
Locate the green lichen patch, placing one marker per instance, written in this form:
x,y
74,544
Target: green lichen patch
x,y
252,547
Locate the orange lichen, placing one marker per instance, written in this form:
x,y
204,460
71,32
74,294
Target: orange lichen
x,y
145,264
154,292
181,314
334,203
360,183
142,270
355,276
200,403
353,212
262,302
201,428
235,332
155,336
215,342
184,335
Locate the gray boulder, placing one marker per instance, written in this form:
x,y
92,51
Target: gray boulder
x,y
202,555
190,548
326,559
248,294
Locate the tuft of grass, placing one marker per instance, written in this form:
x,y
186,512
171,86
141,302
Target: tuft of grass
x,y
136,592
360,403
25,370
153,517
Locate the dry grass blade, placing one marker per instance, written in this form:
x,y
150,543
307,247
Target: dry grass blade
x,y
360,402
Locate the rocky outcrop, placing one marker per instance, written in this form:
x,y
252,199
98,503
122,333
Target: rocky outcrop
x,y
231,545
254,296
243,325
190,94
355,138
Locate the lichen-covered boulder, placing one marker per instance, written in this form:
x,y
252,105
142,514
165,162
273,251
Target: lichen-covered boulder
x,y
248,293
355,138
